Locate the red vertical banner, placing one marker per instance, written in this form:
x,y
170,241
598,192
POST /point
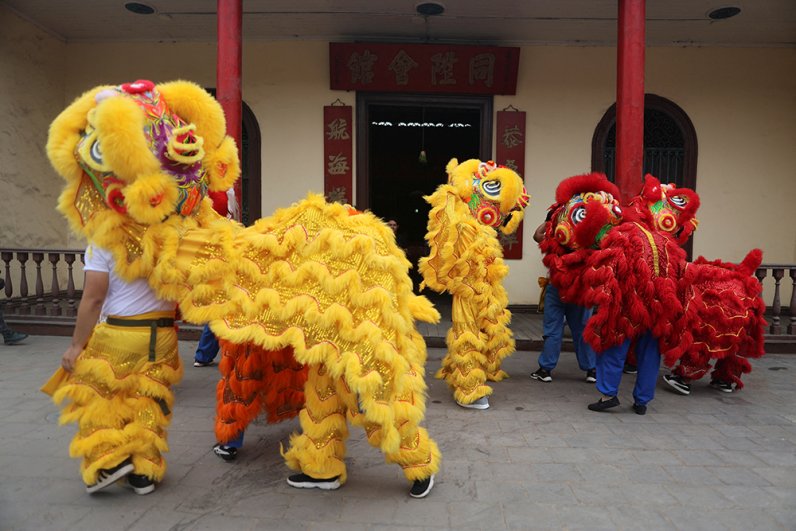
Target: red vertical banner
x,y
510,152
337,154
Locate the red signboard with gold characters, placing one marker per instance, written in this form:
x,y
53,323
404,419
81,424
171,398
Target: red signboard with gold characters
x,y
337,153
510,152
452,69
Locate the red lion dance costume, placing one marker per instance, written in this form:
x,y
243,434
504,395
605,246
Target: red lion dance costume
x,y
628,264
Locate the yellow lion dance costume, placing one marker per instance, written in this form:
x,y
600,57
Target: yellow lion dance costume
x,y
466,260
313,306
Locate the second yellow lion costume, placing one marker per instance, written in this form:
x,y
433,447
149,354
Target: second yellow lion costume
x,y
466,260
313,305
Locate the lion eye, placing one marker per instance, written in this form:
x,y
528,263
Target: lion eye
x,y
680,201
96,153
578,215
491,188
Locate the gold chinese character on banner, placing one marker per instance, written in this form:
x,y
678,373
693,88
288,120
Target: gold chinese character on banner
x,y
337,165
511,163
512,136
338,194
361,67
482,67
401,65
442,68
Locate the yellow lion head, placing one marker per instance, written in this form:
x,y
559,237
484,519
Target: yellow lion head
x,y
142,151
495,194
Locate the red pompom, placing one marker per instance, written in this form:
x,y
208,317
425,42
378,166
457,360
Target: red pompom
x,y
139,87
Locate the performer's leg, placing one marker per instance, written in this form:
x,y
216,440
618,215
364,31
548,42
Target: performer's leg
x,y
208,347
728,371
577,316
417,454
239,393
649,361
609,368
121,401
499,343
464,365
552,329
319,450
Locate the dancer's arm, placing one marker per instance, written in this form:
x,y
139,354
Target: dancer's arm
x,y
94,291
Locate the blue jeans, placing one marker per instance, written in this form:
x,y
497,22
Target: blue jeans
x,y
611,362
555,312
208,346
237,442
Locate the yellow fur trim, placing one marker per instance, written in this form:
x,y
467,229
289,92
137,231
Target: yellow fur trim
x,y
65,132
193,104
223,166
120,124
150,198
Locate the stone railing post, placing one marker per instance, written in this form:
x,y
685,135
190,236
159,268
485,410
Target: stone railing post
x,y
7,257
792,307
24,307
55,289
776,308
71,311
39,309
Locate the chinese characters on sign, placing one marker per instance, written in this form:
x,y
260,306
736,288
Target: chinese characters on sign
x,y
510,152
424,68
337,153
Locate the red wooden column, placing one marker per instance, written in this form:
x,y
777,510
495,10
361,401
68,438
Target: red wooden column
x,y
630,97
228,71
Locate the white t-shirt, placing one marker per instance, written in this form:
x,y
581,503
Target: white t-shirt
x,y
124,298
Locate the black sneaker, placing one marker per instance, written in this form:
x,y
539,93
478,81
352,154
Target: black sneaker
x,y
591,375
639,409
198,363
108,476
724,387
677,383
421,487
630,369
11,337
303,481
542,375
227,453
140,484
602,405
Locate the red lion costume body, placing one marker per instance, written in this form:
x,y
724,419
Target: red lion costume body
x,y
628,263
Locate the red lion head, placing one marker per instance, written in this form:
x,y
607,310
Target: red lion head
x,y
667,208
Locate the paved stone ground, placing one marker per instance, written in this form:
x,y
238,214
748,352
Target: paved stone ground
x,y
537,460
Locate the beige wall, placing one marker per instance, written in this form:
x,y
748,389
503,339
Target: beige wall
x,y
741,102
31,94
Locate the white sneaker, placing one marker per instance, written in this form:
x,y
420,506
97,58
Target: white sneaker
x,y
481,403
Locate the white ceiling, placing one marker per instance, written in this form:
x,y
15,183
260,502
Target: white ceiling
x,y
506,22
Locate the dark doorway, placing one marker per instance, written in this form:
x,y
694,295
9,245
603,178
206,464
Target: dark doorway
x,y
393,175
404,143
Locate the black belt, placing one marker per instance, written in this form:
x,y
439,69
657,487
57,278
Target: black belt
x,y
152,324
